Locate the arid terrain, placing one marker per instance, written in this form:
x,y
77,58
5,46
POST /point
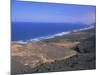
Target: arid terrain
x,y
74,51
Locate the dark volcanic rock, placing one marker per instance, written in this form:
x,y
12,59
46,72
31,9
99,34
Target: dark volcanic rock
x,y
75,51
79,62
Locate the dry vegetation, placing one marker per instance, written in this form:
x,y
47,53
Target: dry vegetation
x,y
69,52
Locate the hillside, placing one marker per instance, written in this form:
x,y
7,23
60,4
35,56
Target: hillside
x,y
74,51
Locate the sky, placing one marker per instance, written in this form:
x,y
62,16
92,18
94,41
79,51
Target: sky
x,y
52,13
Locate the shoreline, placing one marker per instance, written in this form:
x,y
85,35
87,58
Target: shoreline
x,y
27,57
52,36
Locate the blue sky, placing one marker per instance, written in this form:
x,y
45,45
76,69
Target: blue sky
x,y
54,13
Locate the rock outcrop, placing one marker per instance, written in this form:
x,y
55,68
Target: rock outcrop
x,y
75,51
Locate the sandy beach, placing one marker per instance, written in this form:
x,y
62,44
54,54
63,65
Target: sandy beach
x,y
73,51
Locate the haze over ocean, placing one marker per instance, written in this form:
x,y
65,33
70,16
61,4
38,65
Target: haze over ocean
x,y
33,20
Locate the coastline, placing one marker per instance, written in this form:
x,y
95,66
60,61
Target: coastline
x,y
74,51
52,36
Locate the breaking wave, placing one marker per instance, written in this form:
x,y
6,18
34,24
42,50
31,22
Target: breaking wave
x,y
52,36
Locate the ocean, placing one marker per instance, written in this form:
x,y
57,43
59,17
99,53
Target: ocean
x,y
23,31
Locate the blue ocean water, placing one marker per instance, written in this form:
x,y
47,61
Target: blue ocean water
x,y
27,30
